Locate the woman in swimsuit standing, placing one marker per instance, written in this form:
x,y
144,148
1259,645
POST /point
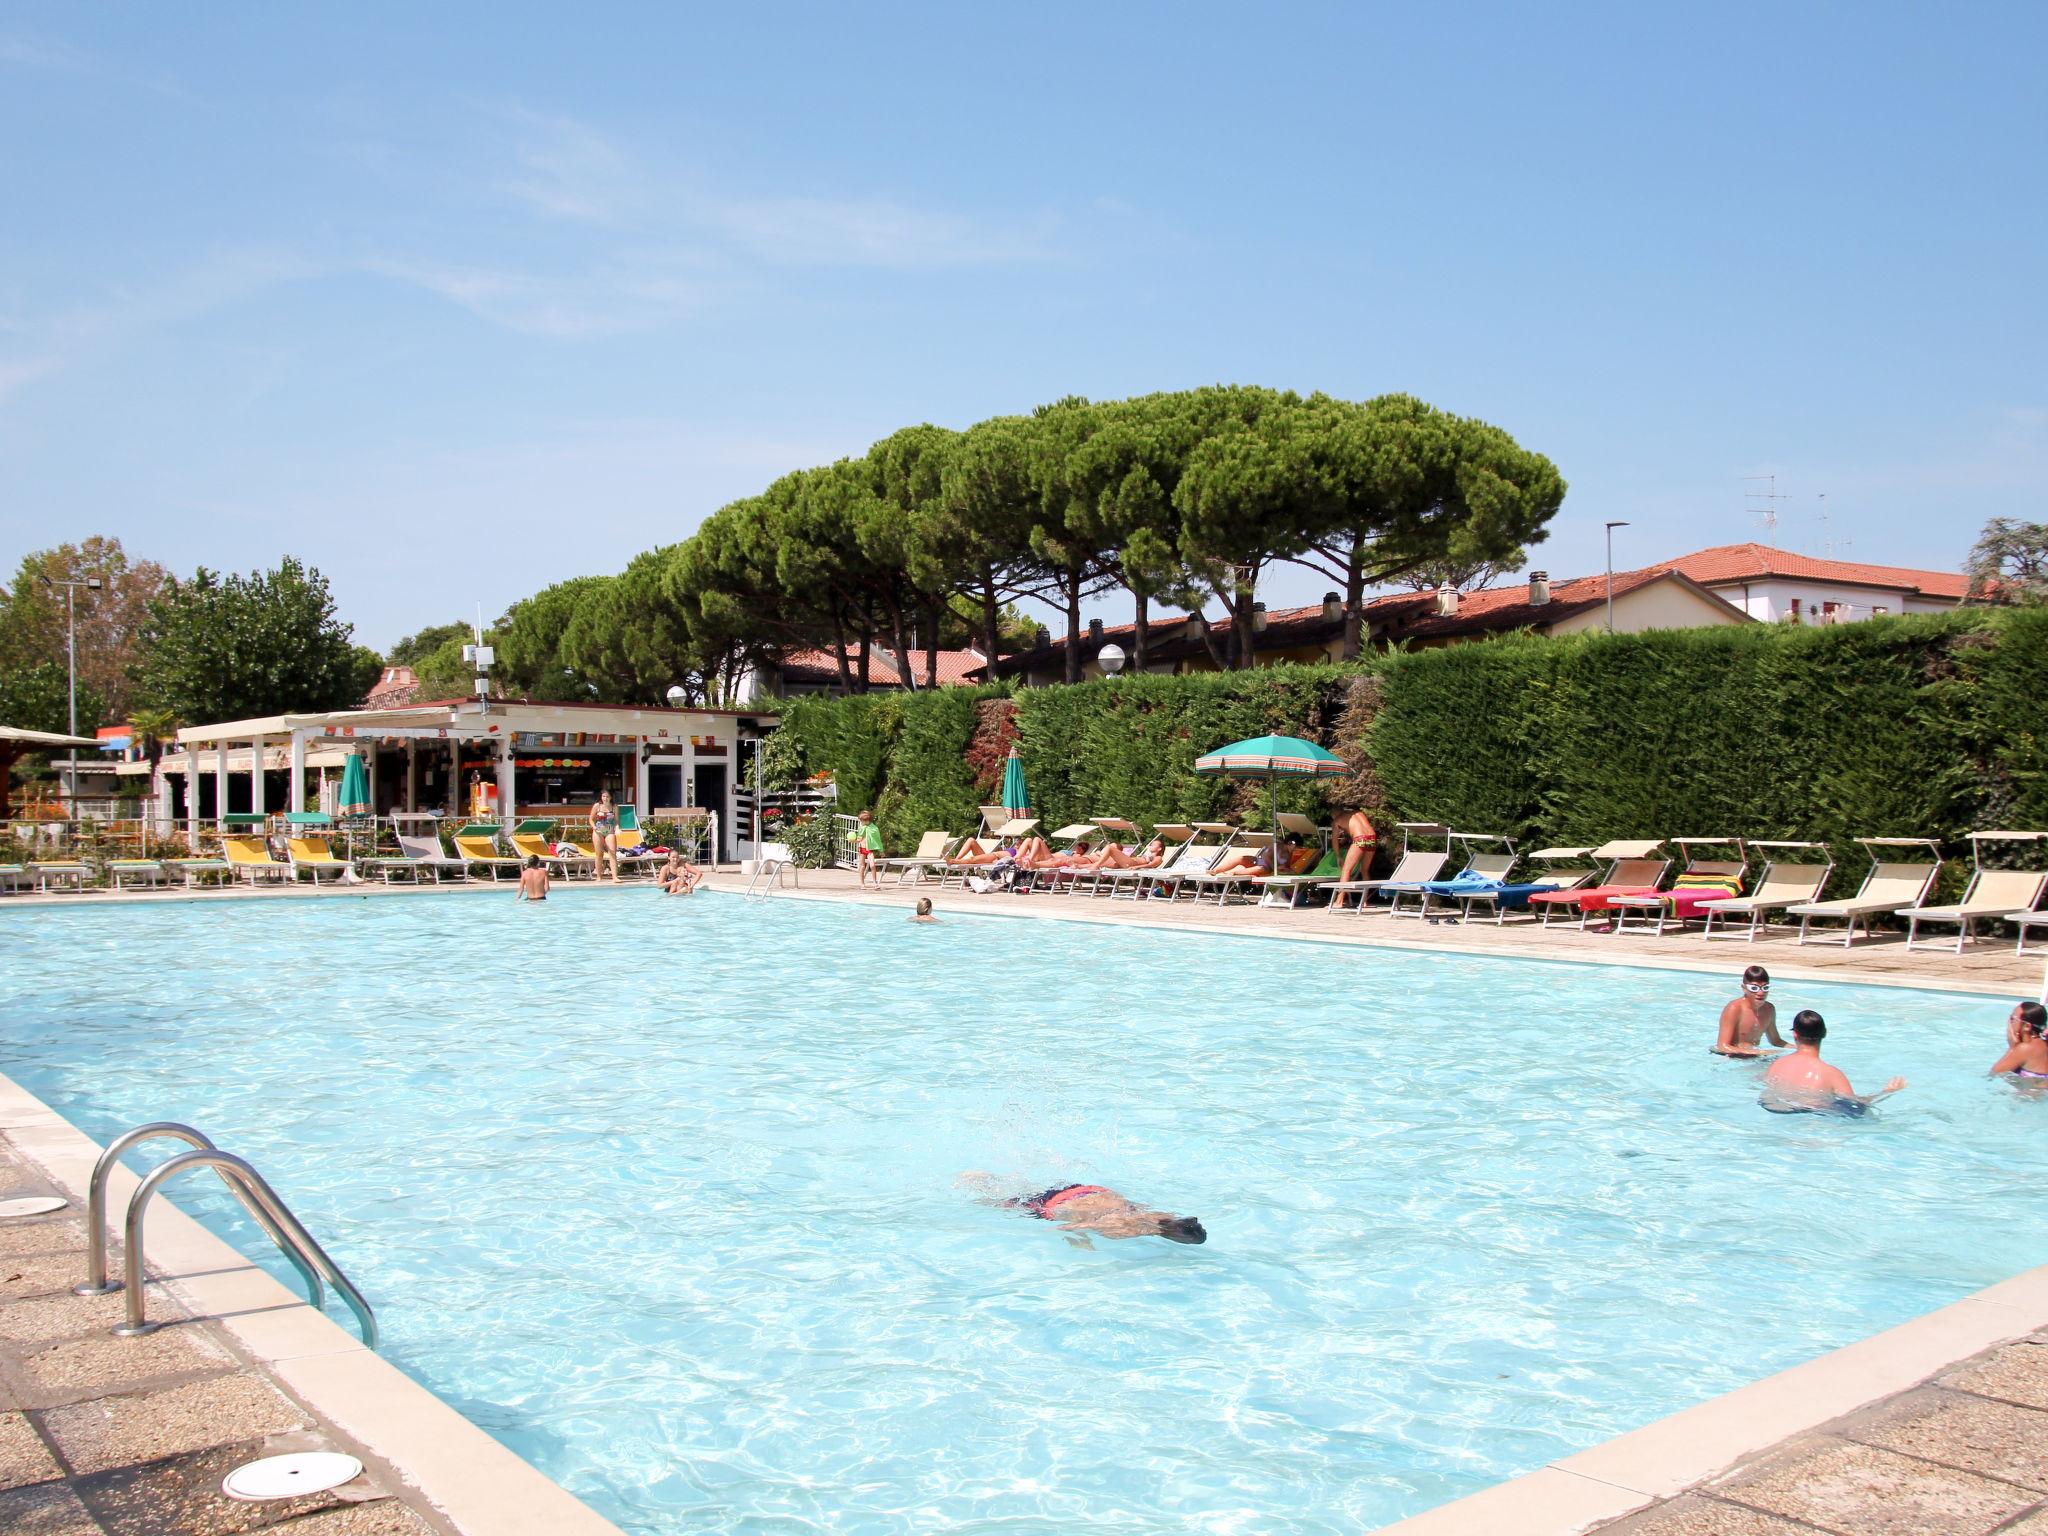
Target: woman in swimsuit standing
x,y
2027,1029
1357,828
604,834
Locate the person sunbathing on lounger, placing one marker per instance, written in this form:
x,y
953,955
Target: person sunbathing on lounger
x,y
1115,857
1749,1018
1246,861
972,852
1086,1208
1036,853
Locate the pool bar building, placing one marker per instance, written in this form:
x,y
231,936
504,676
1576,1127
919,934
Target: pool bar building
x,y
490,757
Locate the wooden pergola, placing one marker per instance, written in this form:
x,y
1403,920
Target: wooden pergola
x,y
16,743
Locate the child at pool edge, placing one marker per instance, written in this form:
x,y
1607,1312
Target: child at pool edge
x,y
533,880
2026,1037
923,914
1751,1016
867,850
1802,1080
677,877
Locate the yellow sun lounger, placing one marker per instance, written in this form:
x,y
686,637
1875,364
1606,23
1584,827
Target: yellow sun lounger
x,y
249,858
530,841
312,856
478,844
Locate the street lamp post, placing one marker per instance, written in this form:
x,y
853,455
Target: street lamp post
x,y
92,584
1610,573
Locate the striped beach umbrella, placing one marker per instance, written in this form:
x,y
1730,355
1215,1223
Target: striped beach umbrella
x,y
1271,758
1014,796
354,799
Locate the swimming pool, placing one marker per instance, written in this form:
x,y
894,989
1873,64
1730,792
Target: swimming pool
x,y
661,1192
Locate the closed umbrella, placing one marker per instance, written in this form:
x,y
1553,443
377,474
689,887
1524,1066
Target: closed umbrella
x,y
1014,797
355,788
1272,758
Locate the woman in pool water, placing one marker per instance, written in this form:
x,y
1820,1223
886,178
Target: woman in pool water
x,y
2028,1054
1749,1017
1090,1208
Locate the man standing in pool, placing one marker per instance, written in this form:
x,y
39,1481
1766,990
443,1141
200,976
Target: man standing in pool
x,y
1749,1017
1804,1084
1090,1208
533,881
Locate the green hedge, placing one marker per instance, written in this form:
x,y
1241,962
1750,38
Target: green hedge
x,y
1913,726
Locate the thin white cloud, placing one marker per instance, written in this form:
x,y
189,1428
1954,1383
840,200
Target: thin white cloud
x,y
568,170
877,233
34,53
616,299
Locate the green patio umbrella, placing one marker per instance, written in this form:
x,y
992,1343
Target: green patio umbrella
x,y
1272,758
1014,797
355,788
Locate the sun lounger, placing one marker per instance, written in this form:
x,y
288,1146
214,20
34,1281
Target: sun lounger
x,y
1569,873
1198,884
1993,894
1049,876
249,859
313,857
1703,879
1193,858
1414,864
477,845
2023,921
1305,869
932,849
1795,873
143,872
529,840
15,880
1172,836
68,874
636,855
1013,831
1485,867
193,873
1891,886
1637,869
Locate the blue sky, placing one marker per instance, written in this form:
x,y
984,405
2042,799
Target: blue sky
x,y
455,301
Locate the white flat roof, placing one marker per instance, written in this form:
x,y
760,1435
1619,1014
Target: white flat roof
x,y
466,718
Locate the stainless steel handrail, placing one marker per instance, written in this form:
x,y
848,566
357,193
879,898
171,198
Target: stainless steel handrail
x,y
281,1223
96,1282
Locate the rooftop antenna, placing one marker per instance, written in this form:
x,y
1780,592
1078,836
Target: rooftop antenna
x,y
1830,545
480,656
1764,503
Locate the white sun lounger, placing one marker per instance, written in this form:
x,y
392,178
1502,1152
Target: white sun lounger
x,y
932,849
1721,875
1480,864
1891,887
1200,882
1569,875
143,872
1795,873
15,880
1993,894
69,874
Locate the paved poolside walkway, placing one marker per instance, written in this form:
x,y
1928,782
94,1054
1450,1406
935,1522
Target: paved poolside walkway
x,y
102,1436
1964,1455
1987,966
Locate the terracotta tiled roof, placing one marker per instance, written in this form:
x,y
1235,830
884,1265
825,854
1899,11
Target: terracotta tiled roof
x,y
1496,610
1726,563
955,667
397,686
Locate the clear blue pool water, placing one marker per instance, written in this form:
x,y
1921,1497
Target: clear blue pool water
x,y
662,1192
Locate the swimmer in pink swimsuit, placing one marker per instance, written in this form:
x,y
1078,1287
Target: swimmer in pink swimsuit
x,y
1091,1208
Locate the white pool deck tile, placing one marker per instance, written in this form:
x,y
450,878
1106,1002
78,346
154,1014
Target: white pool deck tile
x,y
1681,1475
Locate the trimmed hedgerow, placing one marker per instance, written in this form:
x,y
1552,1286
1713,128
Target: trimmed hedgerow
x,y
1922,726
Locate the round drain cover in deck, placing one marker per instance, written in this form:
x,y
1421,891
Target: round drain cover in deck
x,y
29,1205
290,1477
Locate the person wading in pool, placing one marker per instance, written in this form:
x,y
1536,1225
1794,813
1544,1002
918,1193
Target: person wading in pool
x,y
2026,1034
1749,1018
1089,1208
1803,1082
533,881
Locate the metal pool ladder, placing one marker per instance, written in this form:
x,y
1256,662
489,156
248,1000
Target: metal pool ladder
x,y
247,1185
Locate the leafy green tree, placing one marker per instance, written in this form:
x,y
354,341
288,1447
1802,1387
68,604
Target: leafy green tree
x,y
1399,489
38,698
2009,562
914,523
33,619
416,648
629,637
1067,534
983,546
236,647
528,641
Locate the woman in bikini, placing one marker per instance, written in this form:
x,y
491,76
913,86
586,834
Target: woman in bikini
x,y
1356,829
604,834
2027,1028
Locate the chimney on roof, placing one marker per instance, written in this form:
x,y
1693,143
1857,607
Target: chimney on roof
x,y
1094,629
1258,618
1333,607
1447,602
1539,588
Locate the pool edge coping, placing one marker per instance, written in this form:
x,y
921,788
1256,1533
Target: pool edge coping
x,y
473,1482
1694,1446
